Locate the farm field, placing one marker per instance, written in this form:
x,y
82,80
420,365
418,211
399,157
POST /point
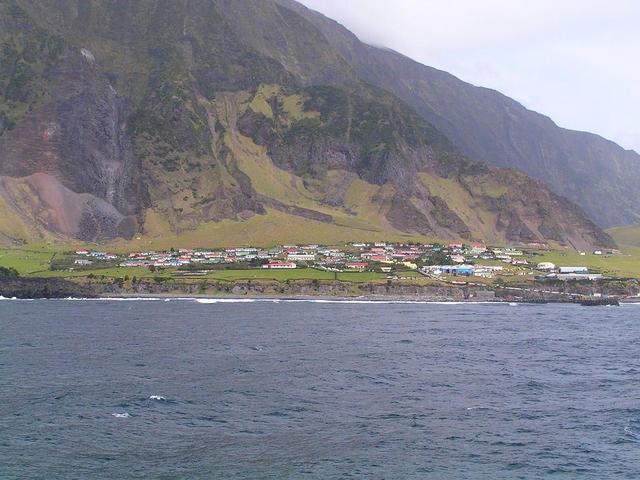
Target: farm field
x,y
27,261
225,275
625,264
294,274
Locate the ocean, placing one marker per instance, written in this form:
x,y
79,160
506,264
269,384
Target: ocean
x,y
173,389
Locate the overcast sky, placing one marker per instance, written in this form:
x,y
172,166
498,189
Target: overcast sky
x,y
577,61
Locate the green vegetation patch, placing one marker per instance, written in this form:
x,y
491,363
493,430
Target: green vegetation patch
x,y
8,272
26,53
294,274
26,261
230,275
625,265
626,236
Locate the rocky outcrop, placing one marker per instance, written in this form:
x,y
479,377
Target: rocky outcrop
x,y
75,156
28,288
293,288
386,145
43,288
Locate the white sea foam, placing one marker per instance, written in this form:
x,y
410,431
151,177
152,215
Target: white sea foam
x,y
333,301
229,300
130,299
115,299
205,301
632,432
121,415
159,398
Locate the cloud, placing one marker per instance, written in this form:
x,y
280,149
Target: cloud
x,y
574,60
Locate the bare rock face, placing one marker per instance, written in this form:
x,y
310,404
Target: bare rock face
x,y
76,155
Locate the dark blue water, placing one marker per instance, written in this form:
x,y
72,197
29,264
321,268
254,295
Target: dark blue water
x,y
317,391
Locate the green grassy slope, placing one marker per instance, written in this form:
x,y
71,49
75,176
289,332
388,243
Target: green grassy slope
x,y
626,236
626,264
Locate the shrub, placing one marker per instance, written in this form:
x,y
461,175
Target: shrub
x,y
8,272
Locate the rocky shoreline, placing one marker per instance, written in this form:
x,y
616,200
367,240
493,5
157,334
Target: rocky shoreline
x,y
35,288
24,288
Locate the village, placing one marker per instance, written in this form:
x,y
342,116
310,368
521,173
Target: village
x,y
430,260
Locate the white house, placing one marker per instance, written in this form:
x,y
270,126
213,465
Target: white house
x,y
546,267
301,257
280,265
573,270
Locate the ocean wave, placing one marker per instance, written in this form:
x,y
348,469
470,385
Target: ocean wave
x,y
335,301
16,299
207,301
130,299
159,398
229,300
121,415
85,299
633,432
112,299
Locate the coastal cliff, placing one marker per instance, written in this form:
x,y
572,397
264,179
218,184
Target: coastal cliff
x,y
25,288
97,288
92,288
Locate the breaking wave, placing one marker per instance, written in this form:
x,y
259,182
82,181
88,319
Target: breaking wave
x,y
334,301
126,299
633,432
206,301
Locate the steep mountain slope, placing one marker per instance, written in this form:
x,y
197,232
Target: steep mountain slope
x,y
195,119
626,236
597,174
